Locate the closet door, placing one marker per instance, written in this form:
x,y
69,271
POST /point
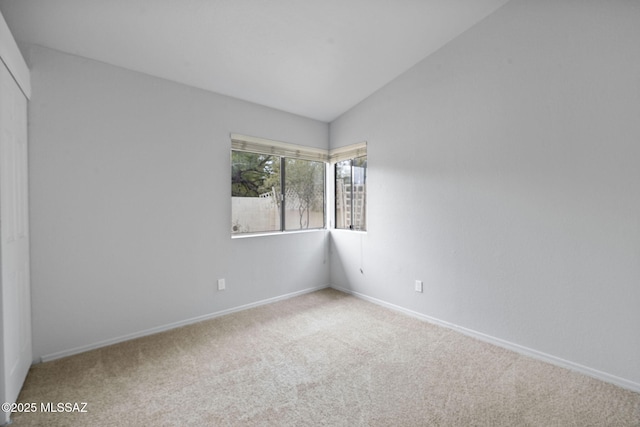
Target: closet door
x,y
15,295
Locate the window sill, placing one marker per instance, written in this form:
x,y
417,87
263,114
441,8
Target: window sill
x,y
275,233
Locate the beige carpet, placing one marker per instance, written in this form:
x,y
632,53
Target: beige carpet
x,y
321,359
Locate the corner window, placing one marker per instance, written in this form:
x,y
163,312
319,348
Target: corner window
x,y
350,187
276,186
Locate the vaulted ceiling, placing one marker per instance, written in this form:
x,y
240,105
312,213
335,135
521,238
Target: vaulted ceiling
x,y
315,58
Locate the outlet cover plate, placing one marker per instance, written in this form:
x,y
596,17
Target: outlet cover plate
x,y
418,286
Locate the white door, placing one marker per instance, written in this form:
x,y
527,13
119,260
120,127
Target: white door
x,y
15,295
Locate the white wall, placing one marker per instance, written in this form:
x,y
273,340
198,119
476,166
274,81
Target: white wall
x,y
131,206
503,172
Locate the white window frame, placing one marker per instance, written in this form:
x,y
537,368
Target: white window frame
x,y
337,155
257,145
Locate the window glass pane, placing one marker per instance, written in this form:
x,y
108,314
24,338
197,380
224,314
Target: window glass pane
x,y
255,192
343,194
304,194
359,193
351,194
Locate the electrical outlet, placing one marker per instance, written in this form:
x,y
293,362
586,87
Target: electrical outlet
x,y
418,286
221,285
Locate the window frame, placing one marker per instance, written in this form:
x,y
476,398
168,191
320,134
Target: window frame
x,y
284,151
338,155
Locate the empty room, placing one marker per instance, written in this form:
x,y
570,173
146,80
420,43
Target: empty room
x,y
340,213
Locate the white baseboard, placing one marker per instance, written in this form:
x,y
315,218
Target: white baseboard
x,y
99,344
535,354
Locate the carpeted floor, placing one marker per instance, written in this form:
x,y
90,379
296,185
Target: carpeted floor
x,y
321,359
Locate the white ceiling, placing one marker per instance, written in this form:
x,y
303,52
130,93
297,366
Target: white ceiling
x,y
315,58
